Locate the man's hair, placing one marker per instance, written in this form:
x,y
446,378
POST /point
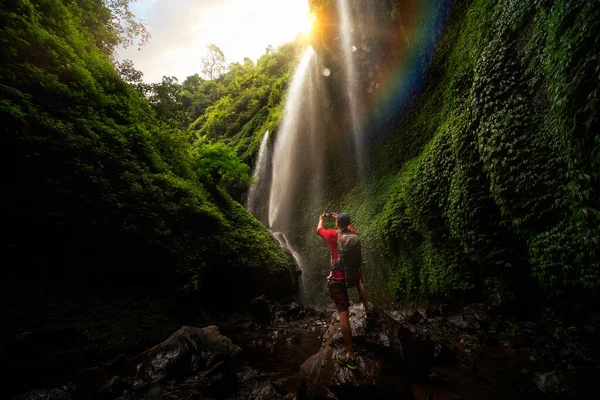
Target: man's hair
x,y
343,219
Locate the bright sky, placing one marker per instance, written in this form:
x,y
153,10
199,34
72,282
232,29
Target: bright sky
x,y
181,29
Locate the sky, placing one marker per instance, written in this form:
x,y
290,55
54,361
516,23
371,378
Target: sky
x,y
181,30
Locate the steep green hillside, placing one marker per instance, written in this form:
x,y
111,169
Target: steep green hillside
x,y
96,189
499,168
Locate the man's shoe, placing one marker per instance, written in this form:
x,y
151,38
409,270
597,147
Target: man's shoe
x,y
344,360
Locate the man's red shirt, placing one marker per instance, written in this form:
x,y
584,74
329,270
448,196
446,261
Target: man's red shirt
x,y
331,238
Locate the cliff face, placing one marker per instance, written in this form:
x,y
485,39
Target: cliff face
x,y
485,180
102,210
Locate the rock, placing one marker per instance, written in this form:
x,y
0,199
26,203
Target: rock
x,y
429,313
443,355
500,303
43,394
444,310
190,288
386,356
415,317
476,318
186,352
116,362
265,391
113,388
294,312
261,310
551,382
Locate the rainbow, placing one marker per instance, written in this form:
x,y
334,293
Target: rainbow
x,y
402,78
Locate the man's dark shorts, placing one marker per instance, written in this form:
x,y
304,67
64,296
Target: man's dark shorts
x,y
339,294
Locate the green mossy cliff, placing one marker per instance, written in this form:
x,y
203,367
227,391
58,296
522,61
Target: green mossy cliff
x,y
490,180
95,190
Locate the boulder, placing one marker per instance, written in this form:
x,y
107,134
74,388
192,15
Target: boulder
x,y
551,383
265,391
387,355
443,354
444,310
415,317
44,394
188,351
294,312
260,310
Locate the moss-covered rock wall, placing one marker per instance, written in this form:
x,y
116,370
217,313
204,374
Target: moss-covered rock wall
x,y
489,181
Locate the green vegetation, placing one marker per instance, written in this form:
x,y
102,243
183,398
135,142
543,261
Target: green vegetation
x,y
100,183
488,181
497,184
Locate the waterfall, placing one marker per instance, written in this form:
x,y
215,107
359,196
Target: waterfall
x,y
283,242
349,47
260,175
288,155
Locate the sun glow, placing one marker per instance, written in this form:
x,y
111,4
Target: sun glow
x,y
243,28
181,29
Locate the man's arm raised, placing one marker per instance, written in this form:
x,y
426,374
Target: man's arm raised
x,y
320,225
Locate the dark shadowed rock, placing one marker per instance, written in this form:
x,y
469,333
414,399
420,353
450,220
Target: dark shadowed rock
x,y
385,358
443,354
43,394
431,313
293,312
551,382
261,310
265,391
187,351
113,388
415,317
444,310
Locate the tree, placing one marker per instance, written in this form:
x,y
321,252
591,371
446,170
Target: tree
x,y
218,165
132,76
164,99
125,25
213,65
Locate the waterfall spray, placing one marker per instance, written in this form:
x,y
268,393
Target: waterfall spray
x,y
285,153
259,174
349,47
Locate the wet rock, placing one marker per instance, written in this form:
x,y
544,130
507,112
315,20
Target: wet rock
x,y
551,383
43,394
294,312
443,354
385,361
261,310
189,288
431,313
117,362
475,317
265,391
113,387
444,310
415,317
187,351
500,303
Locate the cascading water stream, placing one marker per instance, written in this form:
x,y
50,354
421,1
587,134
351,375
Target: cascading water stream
x,y
260,175
286,157
349,47
283,242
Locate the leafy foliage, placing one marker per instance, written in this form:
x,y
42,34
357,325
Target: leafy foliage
x,y
216,164
98,180
504,192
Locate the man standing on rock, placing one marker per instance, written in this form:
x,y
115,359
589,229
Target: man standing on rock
x,y
344,273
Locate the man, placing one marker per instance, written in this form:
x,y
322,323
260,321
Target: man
x,y
338,286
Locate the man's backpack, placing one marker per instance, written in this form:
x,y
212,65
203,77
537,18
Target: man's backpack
x,y
349,255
